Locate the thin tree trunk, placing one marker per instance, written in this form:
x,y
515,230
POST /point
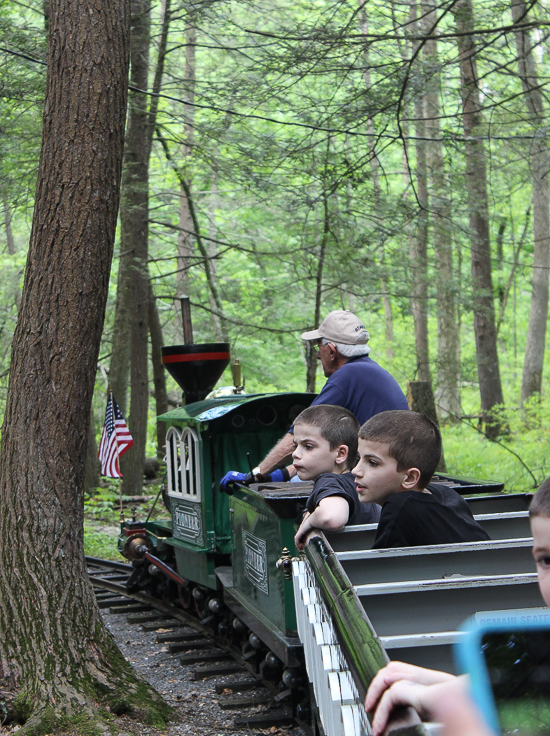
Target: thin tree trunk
x,y
11,244
210,280
122,331
212,252
7,222
119,369
53,643
134,224
386,298
476,184
185,236
539,161
418,234
448,366
159,374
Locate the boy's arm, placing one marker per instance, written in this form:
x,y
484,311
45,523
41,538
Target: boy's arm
x,y
331,514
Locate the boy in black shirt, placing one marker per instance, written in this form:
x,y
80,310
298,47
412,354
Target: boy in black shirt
x,y
398,454
325,448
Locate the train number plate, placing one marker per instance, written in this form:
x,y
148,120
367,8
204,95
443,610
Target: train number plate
x,y
187,521
255,561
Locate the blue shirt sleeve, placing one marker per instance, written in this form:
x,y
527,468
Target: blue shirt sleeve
x,y
330,394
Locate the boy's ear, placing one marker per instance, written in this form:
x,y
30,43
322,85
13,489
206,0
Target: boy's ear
x,y
342,454
411,479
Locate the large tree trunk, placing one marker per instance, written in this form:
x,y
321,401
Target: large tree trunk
x,y
448,365
539,160
53,643
135,226
476,184
93,466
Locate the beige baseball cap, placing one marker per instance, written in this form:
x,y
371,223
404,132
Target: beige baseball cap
x,y
341,326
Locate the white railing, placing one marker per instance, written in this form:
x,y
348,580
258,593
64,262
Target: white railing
x,y
340,707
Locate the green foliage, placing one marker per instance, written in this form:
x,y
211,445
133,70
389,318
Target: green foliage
x,y
100,543
521,456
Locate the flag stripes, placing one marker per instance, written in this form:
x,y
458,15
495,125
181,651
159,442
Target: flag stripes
x,y
115,440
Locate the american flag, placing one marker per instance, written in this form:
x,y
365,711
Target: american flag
x,y
115,440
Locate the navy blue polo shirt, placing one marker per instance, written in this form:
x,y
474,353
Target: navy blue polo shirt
x,y
364,388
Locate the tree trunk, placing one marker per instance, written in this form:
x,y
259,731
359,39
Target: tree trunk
x,y
418,237
134,225
539,160
185,235
386,298
53,643
159,374
448,365
93,466
7,222
212,252
119,369
476,184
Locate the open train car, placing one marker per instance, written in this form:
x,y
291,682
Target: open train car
x,y
231,558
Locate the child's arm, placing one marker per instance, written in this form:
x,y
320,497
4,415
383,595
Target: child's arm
x,y
331,515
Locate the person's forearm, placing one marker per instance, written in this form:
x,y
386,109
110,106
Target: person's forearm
x,y
277,457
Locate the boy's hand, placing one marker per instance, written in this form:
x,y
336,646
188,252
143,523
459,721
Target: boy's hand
x,y
395,671
303,531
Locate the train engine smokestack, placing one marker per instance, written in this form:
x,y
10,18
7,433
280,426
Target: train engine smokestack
x,y
195,367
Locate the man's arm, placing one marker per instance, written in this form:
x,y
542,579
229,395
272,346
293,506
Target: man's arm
x,y
278,456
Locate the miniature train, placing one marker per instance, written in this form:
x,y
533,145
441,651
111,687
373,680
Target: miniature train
x,y
228,558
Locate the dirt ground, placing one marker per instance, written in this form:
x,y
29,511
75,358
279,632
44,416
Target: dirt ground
x,y
196,703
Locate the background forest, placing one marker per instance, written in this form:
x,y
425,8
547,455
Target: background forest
x,y
283,159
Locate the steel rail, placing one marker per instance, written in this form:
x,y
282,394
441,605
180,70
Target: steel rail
x,y
188,620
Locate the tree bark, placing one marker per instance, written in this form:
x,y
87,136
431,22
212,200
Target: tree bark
x,y
53,643
159,374
448,365
185,235
93,466
418,235
134,217
539,161
373,160
480,246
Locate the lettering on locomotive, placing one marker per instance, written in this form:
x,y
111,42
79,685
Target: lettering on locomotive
x,y
255,561
188,522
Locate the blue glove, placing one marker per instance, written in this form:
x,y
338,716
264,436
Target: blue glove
x,y
279,476
229,478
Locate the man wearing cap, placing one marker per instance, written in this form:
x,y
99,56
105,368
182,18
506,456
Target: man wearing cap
x,y
355,382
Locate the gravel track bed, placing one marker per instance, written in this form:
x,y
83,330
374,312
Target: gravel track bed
x,y
195,702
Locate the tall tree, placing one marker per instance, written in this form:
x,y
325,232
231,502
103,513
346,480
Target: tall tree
x,y
418,232
448,364
539,164
490,387
134,221
185,234
53,643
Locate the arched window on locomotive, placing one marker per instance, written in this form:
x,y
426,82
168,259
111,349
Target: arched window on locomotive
x,y
173,462
190,450
184,479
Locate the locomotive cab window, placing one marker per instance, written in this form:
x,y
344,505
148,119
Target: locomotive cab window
x,y
183,464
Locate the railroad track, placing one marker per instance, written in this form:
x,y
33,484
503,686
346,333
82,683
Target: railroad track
x,y
196,644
